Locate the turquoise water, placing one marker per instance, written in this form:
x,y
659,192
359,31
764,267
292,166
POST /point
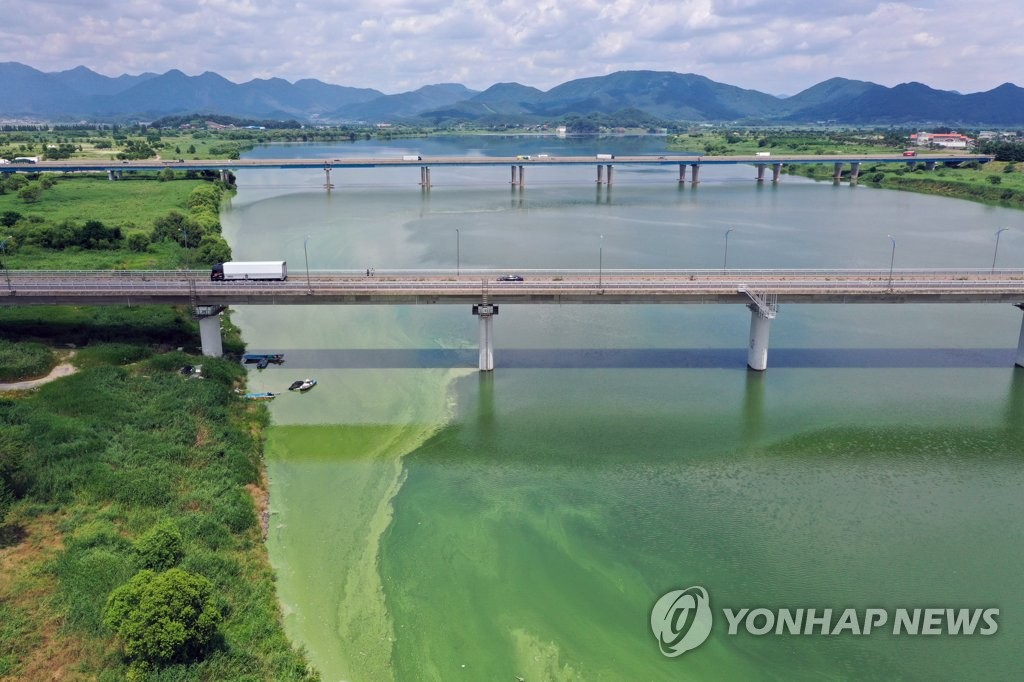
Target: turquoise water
x,y
430,522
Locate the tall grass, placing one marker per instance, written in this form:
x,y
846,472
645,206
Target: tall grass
x,y
24,360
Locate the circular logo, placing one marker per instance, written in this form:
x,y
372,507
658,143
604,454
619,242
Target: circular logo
x,y
681,620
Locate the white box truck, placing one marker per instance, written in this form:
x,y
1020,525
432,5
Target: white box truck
x,y
258,269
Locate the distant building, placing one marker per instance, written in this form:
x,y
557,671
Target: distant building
x,y
948,140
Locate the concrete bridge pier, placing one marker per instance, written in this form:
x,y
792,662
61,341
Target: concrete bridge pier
x,y
763,309
694,171
854,172
760,172
515,180
682,173
838,172
776,172
522,177
209,330
425,177
609,168
486,313
600,174
327,182
1020,342
111,176
929,165
224,175
760,328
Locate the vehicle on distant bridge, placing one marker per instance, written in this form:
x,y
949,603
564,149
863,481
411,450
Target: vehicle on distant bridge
x,y
258,270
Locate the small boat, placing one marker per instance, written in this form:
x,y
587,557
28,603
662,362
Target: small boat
x,y
302,385
266,395
263,359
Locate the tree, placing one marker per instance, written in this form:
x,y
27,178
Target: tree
x,y
213,249
162,618
169,226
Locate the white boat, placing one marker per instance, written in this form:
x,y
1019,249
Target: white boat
x,y
302,385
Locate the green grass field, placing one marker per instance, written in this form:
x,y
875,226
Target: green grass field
x,y
93,197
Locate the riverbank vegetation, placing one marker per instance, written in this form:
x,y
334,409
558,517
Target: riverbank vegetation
x,y
118,481
97,469
996,182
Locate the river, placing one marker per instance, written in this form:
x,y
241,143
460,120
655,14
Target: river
x,y
433,523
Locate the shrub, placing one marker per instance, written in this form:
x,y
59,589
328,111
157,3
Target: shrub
x,y
994,179
24,359
160,547
164,617
137,240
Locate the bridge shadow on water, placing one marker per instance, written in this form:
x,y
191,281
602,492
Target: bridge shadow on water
x,y
650,358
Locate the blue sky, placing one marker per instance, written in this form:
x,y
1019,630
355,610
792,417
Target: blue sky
x,y
775,46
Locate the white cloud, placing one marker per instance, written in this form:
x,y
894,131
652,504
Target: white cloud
x,y
395,45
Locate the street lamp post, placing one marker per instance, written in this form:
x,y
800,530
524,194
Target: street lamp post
x,y
305,251
188,251
725,260
892,259
3,264
458,257
600,264
996,252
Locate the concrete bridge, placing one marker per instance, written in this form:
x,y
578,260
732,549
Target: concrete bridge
x,y
759,290
604,163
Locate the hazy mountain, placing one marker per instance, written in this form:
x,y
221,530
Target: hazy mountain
x,y
32,93
80,93
661,93
406,104
87,82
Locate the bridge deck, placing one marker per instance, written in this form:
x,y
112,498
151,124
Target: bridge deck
x,y
80,165
539,287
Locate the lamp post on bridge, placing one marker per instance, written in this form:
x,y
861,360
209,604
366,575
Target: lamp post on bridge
x,y
3,264
996,252
188,250
305,251
892,259
725,259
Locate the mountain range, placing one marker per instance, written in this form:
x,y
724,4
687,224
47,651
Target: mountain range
x,y
82,94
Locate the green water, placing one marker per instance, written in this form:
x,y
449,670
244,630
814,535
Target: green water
x,y
432,523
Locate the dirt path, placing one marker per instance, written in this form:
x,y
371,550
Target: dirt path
x,y
64,369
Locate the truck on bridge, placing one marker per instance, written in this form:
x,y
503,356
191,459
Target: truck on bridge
x,y
263,269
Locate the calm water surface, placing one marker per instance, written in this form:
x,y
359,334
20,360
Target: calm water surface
x,y
432,523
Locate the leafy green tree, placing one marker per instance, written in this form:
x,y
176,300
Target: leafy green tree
x,y
95,235
169,227
163,618
165,175
213,249
994,179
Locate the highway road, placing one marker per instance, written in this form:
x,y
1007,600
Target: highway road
x,y
538,286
